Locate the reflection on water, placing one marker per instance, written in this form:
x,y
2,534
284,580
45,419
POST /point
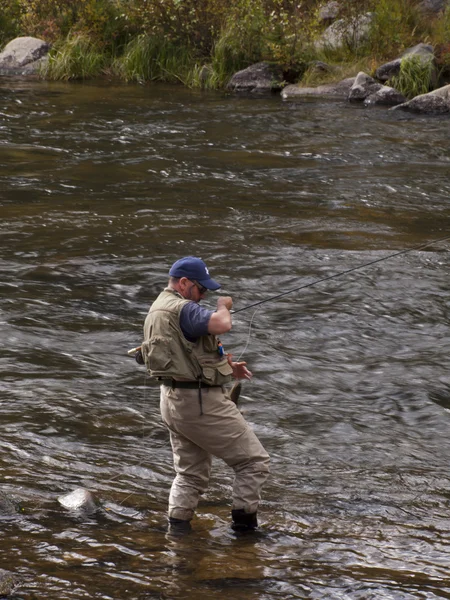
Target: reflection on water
x,y
102,188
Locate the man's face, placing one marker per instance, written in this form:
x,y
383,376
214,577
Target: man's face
x,y
192,290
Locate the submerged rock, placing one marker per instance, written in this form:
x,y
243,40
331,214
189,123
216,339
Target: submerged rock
x,y
23,56
7,506
8,583
261,77
81,500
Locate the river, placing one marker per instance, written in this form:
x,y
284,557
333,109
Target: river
x,y
102,188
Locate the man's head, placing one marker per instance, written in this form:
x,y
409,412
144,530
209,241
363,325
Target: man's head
x,y
191,271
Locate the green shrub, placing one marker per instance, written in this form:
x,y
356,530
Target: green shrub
x,y
397,25
188,23
55,20
9,22
441,28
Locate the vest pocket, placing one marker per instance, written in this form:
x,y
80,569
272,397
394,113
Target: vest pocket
x,y
217,374
157,354
225,369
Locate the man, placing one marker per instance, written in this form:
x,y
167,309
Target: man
x,y
181,350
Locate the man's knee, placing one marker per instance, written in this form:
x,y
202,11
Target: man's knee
x,y
194,481
259,463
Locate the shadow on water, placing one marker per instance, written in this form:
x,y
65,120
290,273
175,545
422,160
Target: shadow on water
x,y
102,188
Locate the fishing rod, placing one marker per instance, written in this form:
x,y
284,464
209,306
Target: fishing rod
x,y
372,262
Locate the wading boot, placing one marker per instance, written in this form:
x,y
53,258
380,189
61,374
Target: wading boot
x,y
179,526
243,522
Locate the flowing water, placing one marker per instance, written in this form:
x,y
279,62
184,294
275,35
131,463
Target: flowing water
x,y
102,187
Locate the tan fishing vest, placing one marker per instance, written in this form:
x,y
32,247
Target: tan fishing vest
x,y
168,354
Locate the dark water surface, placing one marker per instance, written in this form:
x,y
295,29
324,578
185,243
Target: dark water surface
x,y
102,187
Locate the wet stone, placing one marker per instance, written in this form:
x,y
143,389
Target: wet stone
x,y
80,500
8,583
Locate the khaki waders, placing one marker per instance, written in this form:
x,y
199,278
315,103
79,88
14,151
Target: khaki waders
x,y
220,431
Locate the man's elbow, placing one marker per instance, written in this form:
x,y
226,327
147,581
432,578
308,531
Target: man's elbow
x,y
219,326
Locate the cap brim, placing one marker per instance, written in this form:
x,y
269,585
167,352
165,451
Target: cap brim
x,y
209,284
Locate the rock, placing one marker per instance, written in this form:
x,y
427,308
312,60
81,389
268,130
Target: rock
x,y
7,506
340,89
436,102
318,66
362,87
432,7
80,500
329,12
8,583
23,56
261,77
345,32
386,96
388,70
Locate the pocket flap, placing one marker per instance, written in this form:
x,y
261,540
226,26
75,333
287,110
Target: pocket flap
x,y
225,369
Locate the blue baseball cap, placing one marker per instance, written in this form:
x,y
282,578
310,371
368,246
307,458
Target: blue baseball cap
x,y
194,269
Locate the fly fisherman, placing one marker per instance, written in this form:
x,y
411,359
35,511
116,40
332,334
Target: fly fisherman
x,y
182,351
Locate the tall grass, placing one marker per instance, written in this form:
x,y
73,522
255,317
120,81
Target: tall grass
x,y
153,58
76,58
415,76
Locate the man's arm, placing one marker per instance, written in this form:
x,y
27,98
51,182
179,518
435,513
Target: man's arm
x,y
220,320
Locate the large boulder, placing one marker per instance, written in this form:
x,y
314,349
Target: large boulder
x,y
23,56
340,89
346,32
362,87
424,51
385,96
436,102
259,78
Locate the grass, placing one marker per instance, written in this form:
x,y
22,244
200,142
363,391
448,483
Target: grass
x,y
415,77
151,58
315,75
76,58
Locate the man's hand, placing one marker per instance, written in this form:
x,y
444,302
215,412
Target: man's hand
x,y
240,370
225,301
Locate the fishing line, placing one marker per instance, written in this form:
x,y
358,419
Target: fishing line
x,y
340,274
307,285
248,337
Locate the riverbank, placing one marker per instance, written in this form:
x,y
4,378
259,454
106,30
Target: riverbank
x,y
203,43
